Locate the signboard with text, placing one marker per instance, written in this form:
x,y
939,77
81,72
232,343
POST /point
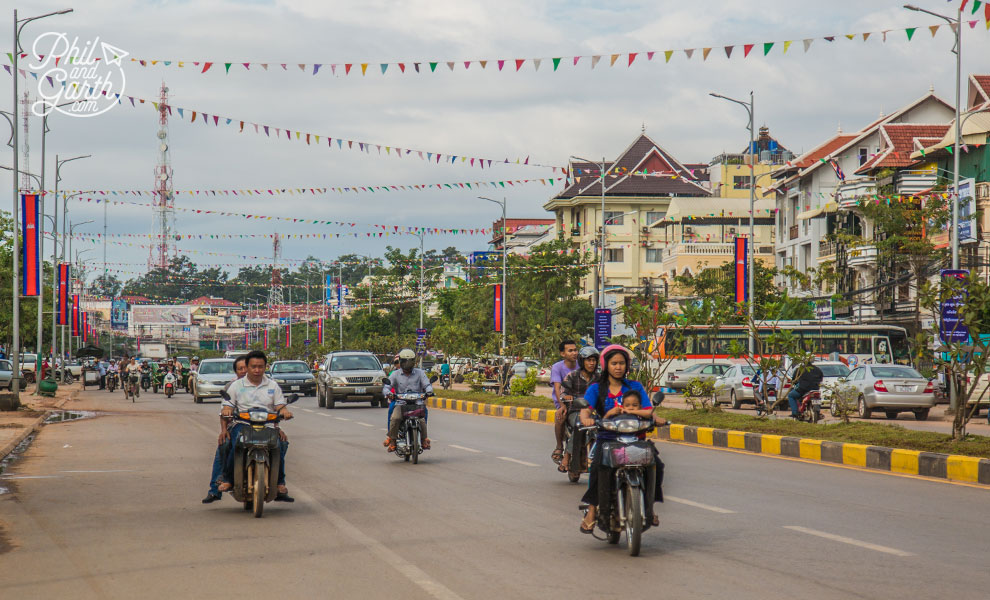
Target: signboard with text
x,y
951,327
603,327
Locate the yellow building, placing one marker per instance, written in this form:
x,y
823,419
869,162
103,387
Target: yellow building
x,y
730,173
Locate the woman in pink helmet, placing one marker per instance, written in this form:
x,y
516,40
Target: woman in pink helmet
x,y
603,396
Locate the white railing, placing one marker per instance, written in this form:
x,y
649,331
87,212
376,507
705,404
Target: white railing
x,y
861,255
709,249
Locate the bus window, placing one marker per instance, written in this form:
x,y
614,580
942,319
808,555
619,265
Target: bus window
x,y
899,347
881,350
860,344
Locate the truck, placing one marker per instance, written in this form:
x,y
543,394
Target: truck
x,y
155,351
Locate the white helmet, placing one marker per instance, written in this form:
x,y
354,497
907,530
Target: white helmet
x,y
407,359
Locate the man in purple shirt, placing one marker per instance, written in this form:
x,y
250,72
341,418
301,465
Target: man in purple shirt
x,y
568,352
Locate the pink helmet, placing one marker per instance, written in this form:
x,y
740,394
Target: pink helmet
x,y
616,348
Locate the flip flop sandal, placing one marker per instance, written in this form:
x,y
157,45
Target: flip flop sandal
x,y
556,456
562,468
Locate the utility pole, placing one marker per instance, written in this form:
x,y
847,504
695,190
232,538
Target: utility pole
x,y
505,250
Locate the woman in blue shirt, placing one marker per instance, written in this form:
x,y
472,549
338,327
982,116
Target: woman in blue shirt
x,y
602,397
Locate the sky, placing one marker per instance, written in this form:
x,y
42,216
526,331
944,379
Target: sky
x,y
545,115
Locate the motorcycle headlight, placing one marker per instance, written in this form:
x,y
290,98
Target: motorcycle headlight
x,y
610,426
629,426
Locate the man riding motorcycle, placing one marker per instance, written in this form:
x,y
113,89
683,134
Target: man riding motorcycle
x,y
559,370
809,379
223,441
408,379
255,390
574,386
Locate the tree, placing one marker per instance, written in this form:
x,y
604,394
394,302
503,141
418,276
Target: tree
x,y
719,282
108,286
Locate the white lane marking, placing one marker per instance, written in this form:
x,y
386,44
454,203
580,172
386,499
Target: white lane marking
x,y
850,541
308,410
518,462
364,424
465,449
723,511
323,414
341,419
399,563
30,477
103,471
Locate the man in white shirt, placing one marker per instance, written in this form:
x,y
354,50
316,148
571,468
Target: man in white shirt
x,y
257,391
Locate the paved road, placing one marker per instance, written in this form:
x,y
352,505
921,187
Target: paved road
x,y
109,508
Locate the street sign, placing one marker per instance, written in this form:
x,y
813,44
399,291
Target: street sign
x,y
952,329
305,342
283,320
823,310
603,327
421,339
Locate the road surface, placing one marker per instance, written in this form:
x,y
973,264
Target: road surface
x,y
109,507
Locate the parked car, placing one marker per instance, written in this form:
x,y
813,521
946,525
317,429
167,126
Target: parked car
x,y
213,376
832,371
350,377
892,389
293,377
981,393
29,366
679,379
735,386
7,374
522,367
75,367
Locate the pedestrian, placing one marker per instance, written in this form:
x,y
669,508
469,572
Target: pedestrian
x,y
103,374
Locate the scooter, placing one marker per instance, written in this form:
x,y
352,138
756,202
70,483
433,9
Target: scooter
x,y
257,458
584,441
412,407
146,380
169,388
810,407
631,460
111,382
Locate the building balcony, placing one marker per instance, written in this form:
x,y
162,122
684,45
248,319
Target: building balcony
x,y
848,193
826,250
793,232
862,256
709,249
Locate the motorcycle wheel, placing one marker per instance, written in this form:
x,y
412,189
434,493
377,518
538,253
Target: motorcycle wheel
x,y
260,481
414,445
154,389
634,519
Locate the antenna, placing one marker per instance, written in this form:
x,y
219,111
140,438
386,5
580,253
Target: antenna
x,y
275,291
163,203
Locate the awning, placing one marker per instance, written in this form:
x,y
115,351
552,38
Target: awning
x,y
829,208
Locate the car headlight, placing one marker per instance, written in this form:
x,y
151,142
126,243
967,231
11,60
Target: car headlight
x,y
202,381
377,380
337,381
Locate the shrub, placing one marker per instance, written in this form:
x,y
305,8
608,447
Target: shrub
x,y
524,386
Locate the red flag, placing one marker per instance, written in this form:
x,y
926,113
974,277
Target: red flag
x,y
30,249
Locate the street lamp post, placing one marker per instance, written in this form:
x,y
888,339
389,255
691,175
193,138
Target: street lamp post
x,y
82,286
752,207
71,229
505,249
15,359
600,300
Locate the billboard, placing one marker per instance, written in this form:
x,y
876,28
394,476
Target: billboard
x,y
967,211
118,314
165,314
30,246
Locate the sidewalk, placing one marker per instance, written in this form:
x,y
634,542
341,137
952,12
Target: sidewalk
x,y
17,425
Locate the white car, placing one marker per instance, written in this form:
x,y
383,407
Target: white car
x,y
213,376
833,372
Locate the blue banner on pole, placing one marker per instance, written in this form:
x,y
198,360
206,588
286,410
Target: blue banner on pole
x,y
603,327
951,328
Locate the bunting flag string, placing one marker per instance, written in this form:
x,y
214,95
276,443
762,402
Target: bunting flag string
x,y
462,185
515,65
311,139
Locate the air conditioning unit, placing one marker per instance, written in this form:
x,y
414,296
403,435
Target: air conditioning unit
x,y
689,231
645,230
732,231
983,191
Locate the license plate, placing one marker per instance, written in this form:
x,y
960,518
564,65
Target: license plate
x,y
294,388
905,388
360,391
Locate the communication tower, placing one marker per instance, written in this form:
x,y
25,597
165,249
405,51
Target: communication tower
x,y
163,200
275,292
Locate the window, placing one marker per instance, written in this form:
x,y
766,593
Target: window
x,y
740,182
220,367
652,216
355,362
290,367
654,255
613,255
864,155
613,217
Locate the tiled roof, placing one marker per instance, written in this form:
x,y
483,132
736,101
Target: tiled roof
x,y
207,301
824,150
982,85
667,176
898,142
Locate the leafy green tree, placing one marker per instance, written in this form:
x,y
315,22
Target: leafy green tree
x,y
108,286
719,282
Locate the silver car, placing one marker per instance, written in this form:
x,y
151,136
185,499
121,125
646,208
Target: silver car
x,y
735,386
350,377
7,374
892,389
212,377
678,380
832,373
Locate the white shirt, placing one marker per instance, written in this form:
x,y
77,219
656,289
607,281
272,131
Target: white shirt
x,y
244,395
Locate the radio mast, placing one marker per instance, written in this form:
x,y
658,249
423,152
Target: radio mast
x,y
163,200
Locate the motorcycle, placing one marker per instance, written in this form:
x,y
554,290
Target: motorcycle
x,y
157,379
257,458
111,382
169,389
145,379
445,381
131,387
630,459
810,407
412,407
766,401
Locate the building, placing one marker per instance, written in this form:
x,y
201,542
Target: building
x,y
807,187
730,173
638,190
520,233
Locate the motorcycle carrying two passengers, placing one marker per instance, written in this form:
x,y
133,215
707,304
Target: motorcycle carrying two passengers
x,y
613,395
406,380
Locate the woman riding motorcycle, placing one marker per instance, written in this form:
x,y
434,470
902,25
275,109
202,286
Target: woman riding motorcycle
x,y
575,385
602,397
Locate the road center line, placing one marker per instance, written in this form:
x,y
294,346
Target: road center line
x,y
341,419
716,509
103,471
364,424
308,410
850,541
30,477
465,449
397,562
518,462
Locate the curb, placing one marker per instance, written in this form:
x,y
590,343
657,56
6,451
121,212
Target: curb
x,y
33,426
952,467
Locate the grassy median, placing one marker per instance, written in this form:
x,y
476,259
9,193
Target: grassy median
x,y
873,434
490,398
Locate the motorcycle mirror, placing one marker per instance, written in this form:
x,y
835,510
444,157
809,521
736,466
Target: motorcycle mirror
x,y
433,378
225,395
386,381
580,403
658,399
292,398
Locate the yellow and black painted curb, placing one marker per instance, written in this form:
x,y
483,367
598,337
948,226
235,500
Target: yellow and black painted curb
x,y
953,467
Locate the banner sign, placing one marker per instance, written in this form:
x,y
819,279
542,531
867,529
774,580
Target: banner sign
x,y
421,339
247,339
603,327
951,327
266,338
967,211
328,291
741,270
823,310
288,335
319,331
84,316
30,246
118,314
75,315
163,314
497,310
63,294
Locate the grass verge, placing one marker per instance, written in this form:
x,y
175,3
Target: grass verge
x,y
489,398
890,436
